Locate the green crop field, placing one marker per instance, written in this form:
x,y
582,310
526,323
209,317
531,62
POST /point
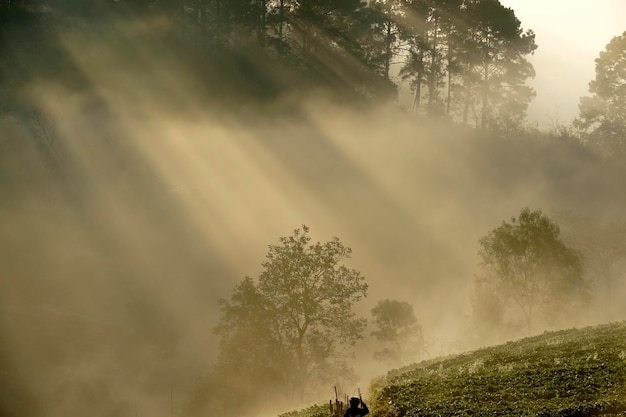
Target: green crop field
x,y
576,372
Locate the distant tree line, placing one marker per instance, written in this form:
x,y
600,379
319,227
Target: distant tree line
x,y
463,59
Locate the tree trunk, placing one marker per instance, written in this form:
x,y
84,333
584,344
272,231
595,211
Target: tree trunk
x,y
485,95
432,75
449,66
262,22
200,14
281,21
388,49
466,106
305,12
418,85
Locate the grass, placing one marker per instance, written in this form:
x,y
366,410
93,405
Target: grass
x,y
576,372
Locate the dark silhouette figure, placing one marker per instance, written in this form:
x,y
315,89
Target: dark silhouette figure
x,y
355,410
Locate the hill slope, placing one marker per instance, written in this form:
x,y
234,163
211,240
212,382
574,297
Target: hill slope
x,y
577,372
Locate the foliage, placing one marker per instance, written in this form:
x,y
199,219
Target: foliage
x,y
575,372
397,327
494,64
569,372
603,114
464,56
420,30
476,51
293,328
312,411
526,265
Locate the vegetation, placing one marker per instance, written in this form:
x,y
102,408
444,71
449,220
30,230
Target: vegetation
x,y
530,271
315,410
463,57
576,372
398,330
560,373
292,330
603,114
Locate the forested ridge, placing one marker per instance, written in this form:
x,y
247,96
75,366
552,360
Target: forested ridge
x,y
465,60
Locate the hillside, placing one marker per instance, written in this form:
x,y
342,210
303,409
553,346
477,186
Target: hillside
x,y
576,372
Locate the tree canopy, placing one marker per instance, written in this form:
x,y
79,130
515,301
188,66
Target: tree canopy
x,y
398,329
293,328
602,115
468,59
465,59
527,266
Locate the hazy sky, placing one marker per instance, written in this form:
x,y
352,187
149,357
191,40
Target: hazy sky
x,y
570,35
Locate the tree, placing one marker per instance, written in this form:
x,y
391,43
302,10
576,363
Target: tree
x,y
529,268
421,28
602,117
336,46
471,57
398,328
384,31
293,327
494,62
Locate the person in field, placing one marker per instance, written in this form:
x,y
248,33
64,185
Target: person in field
x,y
357,408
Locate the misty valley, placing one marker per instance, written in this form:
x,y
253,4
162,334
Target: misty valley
x,y
269,207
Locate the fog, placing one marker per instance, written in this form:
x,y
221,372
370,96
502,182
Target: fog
x,y
131,203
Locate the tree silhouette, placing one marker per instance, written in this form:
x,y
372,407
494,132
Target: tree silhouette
x,y
294,326
602,117
494,64
399,330
471,58
529,268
